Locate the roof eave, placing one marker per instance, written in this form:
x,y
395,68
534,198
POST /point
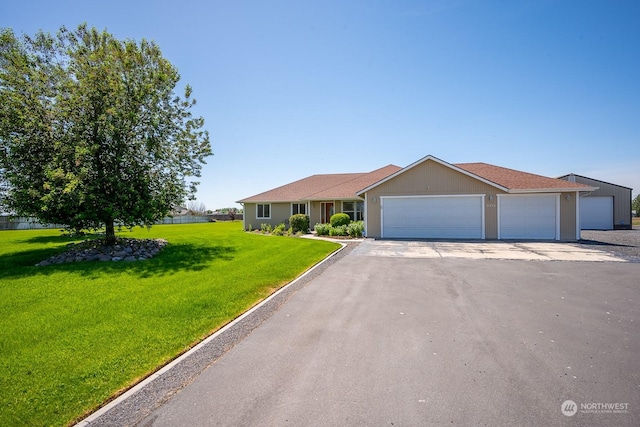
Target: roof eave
x,y
593,179
550,190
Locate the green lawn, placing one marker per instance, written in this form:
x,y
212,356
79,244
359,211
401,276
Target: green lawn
x,y
73,335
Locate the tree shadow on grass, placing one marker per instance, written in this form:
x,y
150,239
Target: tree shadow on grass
x,y
174,258
61,238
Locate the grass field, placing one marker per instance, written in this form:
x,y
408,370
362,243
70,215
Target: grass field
x,y
73,335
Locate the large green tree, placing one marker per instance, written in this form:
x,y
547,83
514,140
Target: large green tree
x,y
92,133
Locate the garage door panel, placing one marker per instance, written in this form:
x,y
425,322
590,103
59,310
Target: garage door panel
x,y
596,213
433,217
528,217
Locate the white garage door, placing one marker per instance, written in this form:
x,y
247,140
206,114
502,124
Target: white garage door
x,y
596,213
528,217
433,217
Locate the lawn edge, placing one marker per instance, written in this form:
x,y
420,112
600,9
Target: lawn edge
x,y
207,351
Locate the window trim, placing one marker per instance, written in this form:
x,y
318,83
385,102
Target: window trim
x,y
306,208
263,217
355,209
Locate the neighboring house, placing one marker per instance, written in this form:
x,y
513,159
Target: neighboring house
x,y
432,199
607,208
181,211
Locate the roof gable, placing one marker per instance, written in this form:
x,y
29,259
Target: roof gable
x,y
434,159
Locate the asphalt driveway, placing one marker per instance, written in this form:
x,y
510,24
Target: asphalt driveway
x,y
393,340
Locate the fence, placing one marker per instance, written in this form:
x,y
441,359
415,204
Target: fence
x,y
183,219
21,223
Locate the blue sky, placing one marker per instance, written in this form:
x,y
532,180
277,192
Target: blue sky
x,y
290,89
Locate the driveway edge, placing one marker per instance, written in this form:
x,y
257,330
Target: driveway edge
x,y
131,407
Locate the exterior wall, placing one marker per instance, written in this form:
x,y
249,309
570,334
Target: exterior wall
x,y
314,213
621,199
280,213
568,219
432,178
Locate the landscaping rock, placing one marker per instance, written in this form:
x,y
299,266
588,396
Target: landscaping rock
x,y
95,250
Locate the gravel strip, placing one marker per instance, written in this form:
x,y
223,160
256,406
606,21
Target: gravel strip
x,y
134,409
623,243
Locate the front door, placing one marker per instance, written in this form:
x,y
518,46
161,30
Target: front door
x,y
326,211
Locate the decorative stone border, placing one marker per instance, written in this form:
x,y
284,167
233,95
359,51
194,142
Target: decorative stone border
x,y
95,250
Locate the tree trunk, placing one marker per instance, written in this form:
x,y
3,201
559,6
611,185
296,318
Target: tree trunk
x,y
110,238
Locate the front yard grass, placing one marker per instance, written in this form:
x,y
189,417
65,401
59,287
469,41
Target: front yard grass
x,y
74,335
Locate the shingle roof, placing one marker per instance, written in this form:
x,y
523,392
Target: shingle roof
x,y
517,180
509,180
323,187
349,185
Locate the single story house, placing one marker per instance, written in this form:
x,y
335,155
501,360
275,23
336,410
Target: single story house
x,y
318,196
607,208
432,199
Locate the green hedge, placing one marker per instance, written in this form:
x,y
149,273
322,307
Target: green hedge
x,y
354,229
339,219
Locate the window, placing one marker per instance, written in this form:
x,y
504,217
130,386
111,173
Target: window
x,y
263,211
355,210
298,208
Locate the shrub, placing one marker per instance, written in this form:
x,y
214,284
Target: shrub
x,y
279,230
339,219
340,230
355,229
299,222
322,229
265,228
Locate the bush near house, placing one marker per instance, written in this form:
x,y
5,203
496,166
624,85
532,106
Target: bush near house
x,y
356,229
353,229
279,230
339,219
299,223
322,229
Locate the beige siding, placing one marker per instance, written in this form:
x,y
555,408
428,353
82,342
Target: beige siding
x,y
621,199
280,213
432,178
314,213
568,225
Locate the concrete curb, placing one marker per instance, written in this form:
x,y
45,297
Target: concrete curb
x,y
197,358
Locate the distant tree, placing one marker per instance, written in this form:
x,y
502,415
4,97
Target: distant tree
x,y
91,131
635,205
232,213
198,208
